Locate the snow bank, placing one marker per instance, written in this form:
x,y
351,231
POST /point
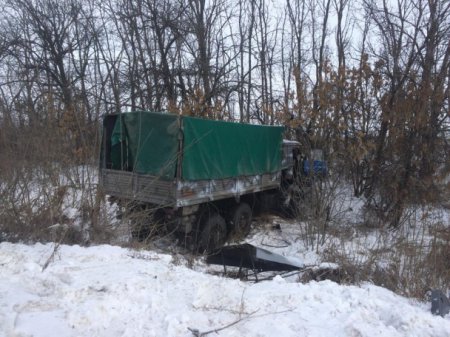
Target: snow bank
x,y
111,291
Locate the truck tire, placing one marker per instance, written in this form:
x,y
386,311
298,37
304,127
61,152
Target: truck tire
x,y
213,234
241,220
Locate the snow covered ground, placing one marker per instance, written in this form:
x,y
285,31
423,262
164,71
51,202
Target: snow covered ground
x,y
112,291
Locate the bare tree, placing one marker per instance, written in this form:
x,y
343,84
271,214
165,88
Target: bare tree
x,y
414,59
297,12
319,32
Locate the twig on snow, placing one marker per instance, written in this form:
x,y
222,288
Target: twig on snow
x,y
198,333
55,250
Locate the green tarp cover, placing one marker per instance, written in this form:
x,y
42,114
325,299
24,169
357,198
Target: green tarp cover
x,y
147,142
217,150
119,146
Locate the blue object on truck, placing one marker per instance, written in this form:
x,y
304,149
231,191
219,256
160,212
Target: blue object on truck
x,y
319,167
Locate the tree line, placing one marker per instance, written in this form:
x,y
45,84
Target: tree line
x,y
367,80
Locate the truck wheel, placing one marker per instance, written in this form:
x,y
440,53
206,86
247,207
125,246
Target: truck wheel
x,y
241,220
213,233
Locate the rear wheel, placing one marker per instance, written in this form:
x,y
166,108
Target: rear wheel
x,y
213,234
241,220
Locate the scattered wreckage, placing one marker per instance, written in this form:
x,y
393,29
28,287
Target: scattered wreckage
x,y
252,261
440,304
247,257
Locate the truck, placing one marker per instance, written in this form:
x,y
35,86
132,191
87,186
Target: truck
x,y
203,177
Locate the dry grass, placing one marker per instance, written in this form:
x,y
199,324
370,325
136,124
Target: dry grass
x,y
408,261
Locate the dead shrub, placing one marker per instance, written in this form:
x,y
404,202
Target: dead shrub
x,y
407,262
319,209
46,180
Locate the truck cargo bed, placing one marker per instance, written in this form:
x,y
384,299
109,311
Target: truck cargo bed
x,y
139,187
172,193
